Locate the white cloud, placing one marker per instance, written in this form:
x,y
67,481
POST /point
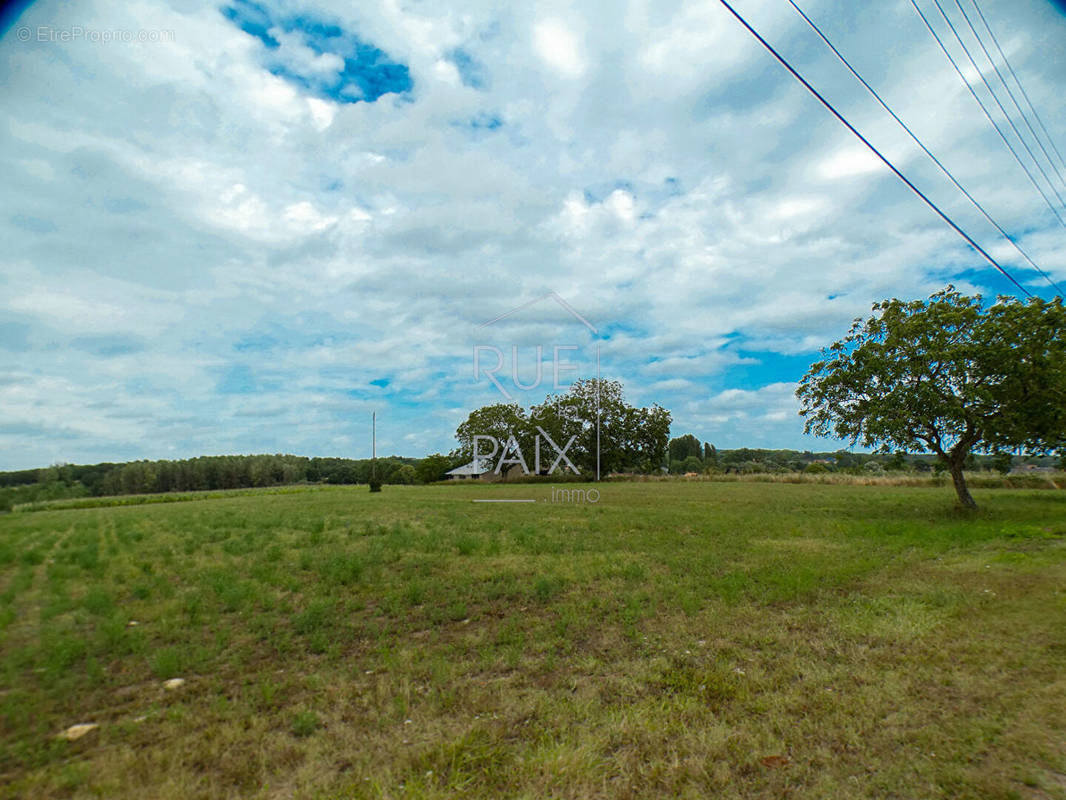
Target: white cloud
x,y
559,47
305,218
207,256
850,162
322,112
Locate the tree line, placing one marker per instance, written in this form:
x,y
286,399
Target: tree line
x,y
204,473
688,454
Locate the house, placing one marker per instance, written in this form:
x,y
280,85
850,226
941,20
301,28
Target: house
x,y
482,470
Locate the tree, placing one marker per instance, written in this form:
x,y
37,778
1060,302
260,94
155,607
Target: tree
x,y
645,435
434,468
630,438
691,464
501,421
949,375
898,462
684,446
574,414
1003,463
404,474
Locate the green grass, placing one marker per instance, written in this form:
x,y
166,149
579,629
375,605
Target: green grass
x,y
676,639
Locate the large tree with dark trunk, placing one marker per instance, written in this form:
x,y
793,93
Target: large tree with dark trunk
x,y
951,376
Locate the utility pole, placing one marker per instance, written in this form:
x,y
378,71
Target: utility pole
x,y
375,482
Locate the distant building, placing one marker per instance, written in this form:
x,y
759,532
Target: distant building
x,y
481,471
1030,469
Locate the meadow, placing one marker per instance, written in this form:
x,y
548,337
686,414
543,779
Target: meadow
x,y
673,639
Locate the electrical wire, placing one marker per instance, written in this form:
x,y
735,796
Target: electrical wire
x,y
1010,94
980,102
1025,94
925,149
876,152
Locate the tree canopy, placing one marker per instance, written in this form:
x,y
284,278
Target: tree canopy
x,y
631,439
951,375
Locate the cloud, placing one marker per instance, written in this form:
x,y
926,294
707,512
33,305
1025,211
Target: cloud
x,y
249,237
559,47
851,162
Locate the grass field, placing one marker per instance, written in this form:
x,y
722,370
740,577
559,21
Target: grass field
x,y
672,640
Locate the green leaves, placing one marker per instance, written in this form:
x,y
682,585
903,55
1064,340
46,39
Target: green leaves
x,y
630,438
947,375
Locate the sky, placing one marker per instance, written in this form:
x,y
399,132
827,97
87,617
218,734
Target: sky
x,y
244,227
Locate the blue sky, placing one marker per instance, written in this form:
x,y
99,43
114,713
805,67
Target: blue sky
x,y
254,224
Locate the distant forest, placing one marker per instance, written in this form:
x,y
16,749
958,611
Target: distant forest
x,y
205,473
687,454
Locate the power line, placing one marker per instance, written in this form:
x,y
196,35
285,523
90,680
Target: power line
x,y
995,96
1010,93
1025,94
875,151
980,102
925,149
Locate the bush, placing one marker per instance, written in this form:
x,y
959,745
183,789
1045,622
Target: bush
x,y
751,467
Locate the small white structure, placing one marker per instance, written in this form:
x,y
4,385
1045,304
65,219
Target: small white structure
x,y
481,469
1030,469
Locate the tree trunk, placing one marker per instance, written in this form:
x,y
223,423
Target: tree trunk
x,y
965,498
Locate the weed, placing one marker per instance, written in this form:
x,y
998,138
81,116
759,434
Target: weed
x,y
305,723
